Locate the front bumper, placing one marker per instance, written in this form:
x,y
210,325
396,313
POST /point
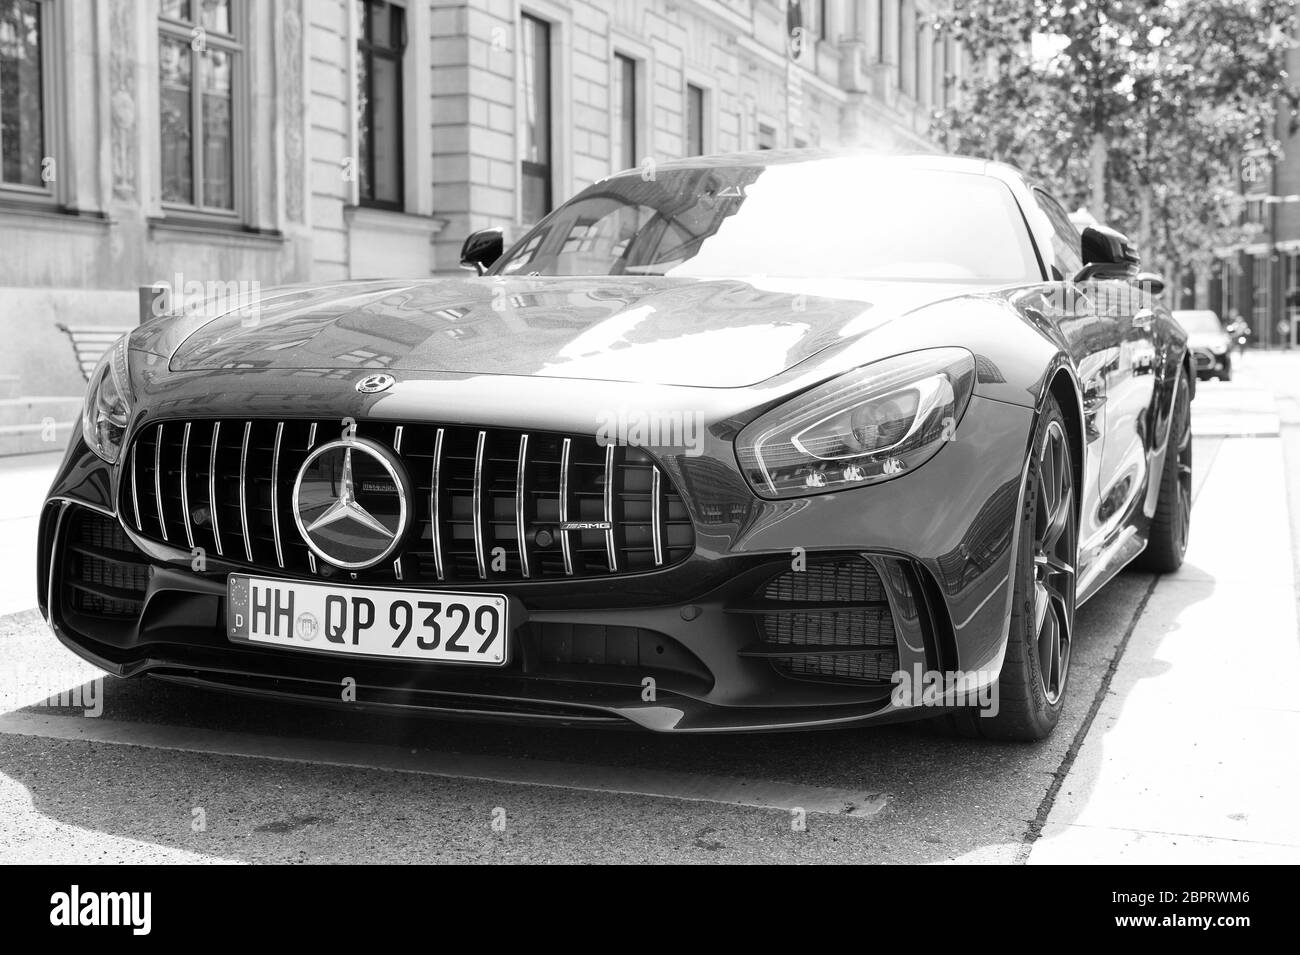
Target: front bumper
x,y
938,542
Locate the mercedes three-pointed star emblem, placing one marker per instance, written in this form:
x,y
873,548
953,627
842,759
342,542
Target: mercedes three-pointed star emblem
x,y
351,514
346,506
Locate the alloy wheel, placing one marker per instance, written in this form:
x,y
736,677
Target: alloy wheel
x,y
1054,560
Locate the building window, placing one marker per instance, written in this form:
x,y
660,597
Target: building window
x,y
936,70
881,46
766,136
823,20
948,79
381,42
625,145
536,166
919,44
1255,211
22,93
199,56
694,120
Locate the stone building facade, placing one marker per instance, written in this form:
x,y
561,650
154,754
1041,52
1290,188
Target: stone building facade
x,y
200,143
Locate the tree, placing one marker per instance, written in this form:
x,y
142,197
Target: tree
x,y
1142,111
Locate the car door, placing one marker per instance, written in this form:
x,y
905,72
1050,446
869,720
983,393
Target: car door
x,y
1139,357
1130,384
1093,336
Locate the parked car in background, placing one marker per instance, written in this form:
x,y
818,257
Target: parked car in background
x,y
1209,341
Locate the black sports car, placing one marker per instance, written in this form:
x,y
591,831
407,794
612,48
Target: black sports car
x,y
763,441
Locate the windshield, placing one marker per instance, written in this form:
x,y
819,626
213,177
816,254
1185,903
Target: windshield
x,y
1201,323
832,218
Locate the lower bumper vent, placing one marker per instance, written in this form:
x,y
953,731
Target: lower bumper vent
x,y
105,574
830,621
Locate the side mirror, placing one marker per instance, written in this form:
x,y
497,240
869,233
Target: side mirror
x,y
481,249
1151,283
1106,254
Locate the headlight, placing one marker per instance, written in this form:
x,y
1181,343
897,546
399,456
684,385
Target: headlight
x,y
108,403
872,424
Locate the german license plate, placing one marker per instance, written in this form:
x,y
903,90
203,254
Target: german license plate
x,y
437,627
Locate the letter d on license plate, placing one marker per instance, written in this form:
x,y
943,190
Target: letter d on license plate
x,y
367,622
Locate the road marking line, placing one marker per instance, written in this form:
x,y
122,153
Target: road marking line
x,y
691,787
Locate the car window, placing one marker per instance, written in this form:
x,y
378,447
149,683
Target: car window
x,y
835,218
1066,242
1202,322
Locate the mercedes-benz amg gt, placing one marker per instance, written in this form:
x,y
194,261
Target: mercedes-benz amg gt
x,y
739,443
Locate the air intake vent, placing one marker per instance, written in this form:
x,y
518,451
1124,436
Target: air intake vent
x,y
834,615
105,575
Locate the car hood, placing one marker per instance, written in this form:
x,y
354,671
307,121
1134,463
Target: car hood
x,y
1215,341
670,331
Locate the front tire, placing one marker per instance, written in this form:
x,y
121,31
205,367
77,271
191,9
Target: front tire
x,y
1167,540
1030,691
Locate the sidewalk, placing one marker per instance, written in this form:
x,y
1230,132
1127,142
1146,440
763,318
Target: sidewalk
x,y
1192,756
24,479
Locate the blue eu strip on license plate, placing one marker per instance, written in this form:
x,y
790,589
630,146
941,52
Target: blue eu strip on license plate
x,y
438,627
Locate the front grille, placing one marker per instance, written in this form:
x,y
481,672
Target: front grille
x,y
104,574
835,604
487,503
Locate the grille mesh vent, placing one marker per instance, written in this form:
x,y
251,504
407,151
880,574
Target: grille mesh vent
x,y
105,575
863,625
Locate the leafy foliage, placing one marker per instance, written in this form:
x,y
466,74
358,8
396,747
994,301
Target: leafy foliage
x,y
1141,111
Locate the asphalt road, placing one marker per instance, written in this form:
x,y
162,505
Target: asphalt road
x,y
175,774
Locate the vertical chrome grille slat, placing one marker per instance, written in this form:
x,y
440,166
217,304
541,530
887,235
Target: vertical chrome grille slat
x,y
609,507
656,516
243,492
275,493
185,485
478,506
135,489
311,436
564,506
520,502
157,480
212,487
435,515
397,438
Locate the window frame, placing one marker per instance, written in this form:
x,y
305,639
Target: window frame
x,y
624,61
900,70
239,112
545,172
882,16
48,193
396,56
691,87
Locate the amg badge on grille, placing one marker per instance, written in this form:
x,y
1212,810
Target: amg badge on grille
x,y
585,525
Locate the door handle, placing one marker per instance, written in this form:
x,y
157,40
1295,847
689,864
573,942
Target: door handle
x,y
1143,318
